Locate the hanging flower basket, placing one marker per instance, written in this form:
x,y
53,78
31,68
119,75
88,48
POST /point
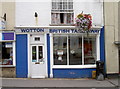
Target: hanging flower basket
x,y
83,21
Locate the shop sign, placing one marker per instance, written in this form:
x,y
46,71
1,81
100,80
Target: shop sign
x,y
39,30
72,31
32,30
8,36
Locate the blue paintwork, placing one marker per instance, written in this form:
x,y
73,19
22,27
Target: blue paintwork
x,y
48,54
102,45
21,56
73,73
81,73
102,48
8,36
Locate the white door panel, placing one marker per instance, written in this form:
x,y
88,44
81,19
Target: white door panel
x,y
38,59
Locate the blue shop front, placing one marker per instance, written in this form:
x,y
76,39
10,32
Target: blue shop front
x,y
58,52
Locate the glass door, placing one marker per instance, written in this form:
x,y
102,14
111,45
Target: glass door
x,y
34,53
37,54
40,54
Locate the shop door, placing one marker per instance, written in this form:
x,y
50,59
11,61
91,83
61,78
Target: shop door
x,y
37,61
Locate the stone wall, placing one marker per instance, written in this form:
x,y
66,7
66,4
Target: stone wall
x,y
111,35
8,72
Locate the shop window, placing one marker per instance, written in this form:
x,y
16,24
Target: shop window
x,y
89,50
68,50
75,50
7,53
60,50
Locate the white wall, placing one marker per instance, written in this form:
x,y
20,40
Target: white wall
x,y
25,12
94,7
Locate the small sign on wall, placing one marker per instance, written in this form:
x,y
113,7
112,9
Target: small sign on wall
x,y
8,36
2,24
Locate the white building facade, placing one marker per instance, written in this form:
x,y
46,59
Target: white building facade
x,y
48,44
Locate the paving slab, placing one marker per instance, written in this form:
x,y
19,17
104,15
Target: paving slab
x,y
26,82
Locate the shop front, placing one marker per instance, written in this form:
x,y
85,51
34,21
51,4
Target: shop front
x,y
58,52
7,53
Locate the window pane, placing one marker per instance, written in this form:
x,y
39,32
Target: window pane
x,y
60,50
69,18
7,53
59,5
62,18
34,55
53,18
70,5
89,50
37,39
70,0
75,50
40,54
64,5
54,5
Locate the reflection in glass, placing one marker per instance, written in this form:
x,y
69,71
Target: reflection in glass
x,y
89,50
40,54
75,50
34,56
60,50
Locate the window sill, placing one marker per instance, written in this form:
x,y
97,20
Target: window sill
x,y
62,24
7,66
73,66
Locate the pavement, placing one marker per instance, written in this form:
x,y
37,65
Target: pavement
x,y
60,82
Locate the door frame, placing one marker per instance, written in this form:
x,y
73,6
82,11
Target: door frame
x,y
29,53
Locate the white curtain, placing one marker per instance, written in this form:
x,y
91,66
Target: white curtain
x,y
55,18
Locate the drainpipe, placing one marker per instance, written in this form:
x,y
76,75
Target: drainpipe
x,y
105,67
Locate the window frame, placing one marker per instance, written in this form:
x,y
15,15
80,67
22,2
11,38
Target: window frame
x,y
65,4
97,37
61,2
